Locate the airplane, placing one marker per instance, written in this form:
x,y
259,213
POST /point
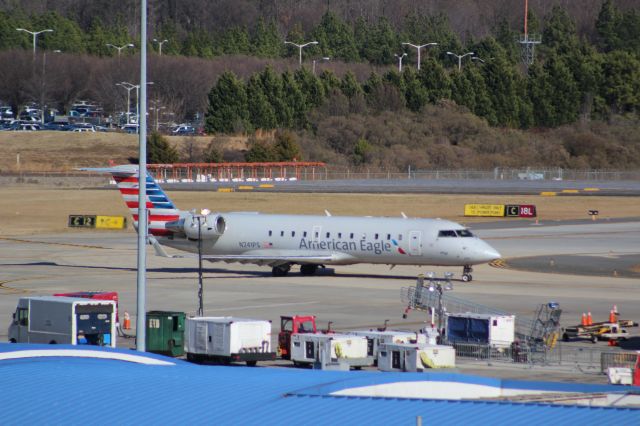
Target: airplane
x,y
283,240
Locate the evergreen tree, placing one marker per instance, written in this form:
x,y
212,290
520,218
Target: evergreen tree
x,y
66,36
285,147
349,85
329,81
274,91
9,37
415,94
295,100
159,151
609,20
560,32
311,87
435,80
501,82
259,152
198,43
266,41
211,153
621,82
335,38
227,111
379,43
235,41
97,39
261,113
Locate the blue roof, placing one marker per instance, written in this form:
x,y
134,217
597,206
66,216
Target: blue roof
x,y
97,391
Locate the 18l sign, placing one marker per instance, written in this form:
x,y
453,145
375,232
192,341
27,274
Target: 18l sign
x,y
522,210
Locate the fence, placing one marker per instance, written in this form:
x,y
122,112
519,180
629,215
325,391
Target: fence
x,y
596,360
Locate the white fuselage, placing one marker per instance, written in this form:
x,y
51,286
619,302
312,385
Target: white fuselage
x,y
380,240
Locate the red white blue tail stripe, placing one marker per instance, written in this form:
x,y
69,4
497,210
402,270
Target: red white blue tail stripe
x,y
160,208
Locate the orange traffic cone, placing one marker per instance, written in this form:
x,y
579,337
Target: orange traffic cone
x,y
127,321
584,319
612,316
589,319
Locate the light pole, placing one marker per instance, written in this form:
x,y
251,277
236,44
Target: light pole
x,y
138,104
475,58
35,35
300,47
160,43
128,87
400,60
419,47
460,58
119,48
325,58
44,82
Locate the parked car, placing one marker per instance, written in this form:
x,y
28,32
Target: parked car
x,y
82,127
183,130
57,125
130,128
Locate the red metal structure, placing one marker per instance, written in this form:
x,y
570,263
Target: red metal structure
x,y
300,170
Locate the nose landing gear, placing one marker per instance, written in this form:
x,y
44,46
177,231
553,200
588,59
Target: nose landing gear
x,y
466,273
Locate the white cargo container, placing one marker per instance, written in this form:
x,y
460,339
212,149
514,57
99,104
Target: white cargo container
x,y
494,330
228,339
375,338
415,357
310,348
64,320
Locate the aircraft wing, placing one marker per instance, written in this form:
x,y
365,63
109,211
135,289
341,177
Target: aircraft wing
x,y
262,257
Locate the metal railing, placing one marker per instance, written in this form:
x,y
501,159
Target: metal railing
x,y
569,356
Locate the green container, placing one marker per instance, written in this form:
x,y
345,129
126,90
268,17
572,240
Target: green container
x,y
165,333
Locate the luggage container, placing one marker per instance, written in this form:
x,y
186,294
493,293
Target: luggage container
x,y
325,349
165,333
415,357
228,339
494,330
375,338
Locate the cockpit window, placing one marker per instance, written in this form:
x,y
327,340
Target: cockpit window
x,y
464,233
446,234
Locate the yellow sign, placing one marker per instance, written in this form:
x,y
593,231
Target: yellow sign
x,y
487,210
548,194
266,185
111,222
225,189
245,188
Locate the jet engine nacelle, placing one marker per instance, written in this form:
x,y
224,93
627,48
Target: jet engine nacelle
x,y
212,226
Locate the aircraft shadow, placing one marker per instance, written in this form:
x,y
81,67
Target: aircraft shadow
x,y
230,273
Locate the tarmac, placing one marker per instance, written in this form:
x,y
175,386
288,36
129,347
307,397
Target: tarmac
x,y
583,266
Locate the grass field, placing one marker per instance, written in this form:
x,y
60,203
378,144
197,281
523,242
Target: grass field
x,y
63,151
32,210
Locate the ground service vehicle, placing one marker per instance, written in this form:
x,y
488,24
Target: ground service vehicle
x,y
494,330
330,349
96,295
64,320
290,325
228,339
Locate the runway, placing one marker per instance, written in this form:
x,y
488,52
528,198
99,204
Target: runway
x,y
352,296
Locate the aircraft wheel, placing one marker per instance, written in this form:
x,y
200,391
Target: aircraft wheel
x,y
308,269
280,271
467,278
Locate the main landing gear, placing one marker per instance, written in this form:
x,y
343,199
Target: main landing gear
x,y
466,273
281,270
308,269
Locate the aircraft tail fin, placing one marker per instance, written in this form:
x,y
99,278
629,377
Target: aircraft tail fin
x,y
160,207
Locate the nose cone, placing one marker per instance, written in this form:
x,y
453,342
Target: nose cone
x,y
486,253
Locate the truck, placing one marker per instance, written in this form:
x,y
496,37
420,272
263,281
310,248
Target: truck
x,y
223,340
598,331
290,325
494,330
325,349
64,320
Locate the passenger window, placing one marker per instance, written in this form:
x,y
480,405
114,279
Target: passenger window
x,y
317,234
328,234
388,236
375,237
399,237
351,235
304,234
23,317
339,235
446,234
293,233
282,233
270,233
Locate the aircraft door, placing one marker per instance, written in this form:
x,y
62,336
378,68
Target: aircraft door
x,y
415,243
316,233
